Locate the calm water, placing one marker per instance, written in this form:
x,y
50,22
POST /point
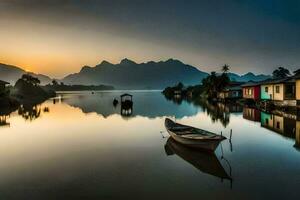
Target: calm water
x,y
78,146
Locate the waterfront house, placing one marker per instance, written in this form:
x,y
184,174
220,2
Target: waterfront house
x,y
251,91
179,92
282,92
297,80
3,87
232,91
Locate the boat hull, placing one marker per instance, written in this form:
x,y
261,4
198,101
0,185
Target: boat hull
x,y
208,144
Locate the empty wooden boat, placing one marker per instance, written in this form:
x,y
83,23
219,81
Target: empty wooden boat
x,y
193,137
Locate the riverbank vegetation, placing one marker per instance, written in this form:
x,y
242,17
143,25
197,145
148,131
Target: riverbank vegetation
x,y
26,91
62,87
209,88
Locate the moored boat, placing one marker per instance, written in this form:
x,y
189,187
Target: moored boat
x,y
193,137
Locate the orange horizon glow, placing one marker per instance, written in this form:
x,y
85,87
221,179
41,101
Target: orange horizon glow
x,y
57,51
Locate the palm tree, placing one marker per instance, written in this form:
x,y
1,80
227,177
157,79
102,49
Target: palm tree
x,y
225,68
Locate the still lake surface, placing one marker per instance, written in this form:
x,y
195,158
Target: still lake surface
x,y
78,146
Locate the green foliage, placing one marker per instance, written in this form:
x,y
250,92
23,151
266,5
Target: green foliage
x,y
180,86
63,87
281,72
54,82
169,91
214,84
30,79
297,72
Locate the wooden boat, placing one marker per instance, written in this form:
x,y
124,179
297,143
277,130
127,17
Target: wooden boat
x,y
206,162
193,137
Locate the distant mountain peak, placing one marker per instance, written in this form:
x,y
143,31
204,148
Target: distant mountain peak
x,y
85,68
104,62
172,60
131,75
127,61
249,74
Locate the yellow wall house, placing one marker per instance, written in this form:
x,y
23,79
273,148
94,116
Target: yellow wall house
x,y
298,91
281,91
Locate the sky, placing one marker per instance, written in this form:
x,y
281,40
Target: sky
x,y
58,37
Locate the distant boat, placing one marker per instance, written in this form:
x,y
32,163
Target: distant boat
x,y
206,162
115,102
126,101
193,137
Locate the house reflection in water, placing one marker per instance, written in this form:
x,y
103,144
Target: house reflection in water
x,y
282,125
251,114
230,107
297,137
3,120
286,126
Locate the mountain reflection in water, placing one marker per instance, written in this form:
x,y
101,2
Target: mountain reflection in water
x,y
145,104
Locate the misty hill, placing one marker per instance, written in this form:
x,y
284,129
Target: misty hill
x,y
130,75
151,75
248,77
12,73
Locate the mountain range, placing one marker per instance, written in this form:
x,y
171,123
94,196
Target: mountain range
x,y
11,74
131,75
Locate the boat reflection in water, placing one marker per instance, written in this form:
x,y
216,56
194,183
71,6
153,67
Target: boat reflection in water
x,y
204,161
126,105
285,124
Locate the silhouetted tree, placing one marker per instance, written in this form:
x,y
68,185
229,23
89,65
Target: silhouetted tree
x,y
225,68
180,85
54,82
213,84
281,72
297,72
30,79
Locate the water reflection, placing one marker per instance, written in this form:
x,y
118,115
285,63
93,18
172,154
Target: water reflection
x,y
285,125
81,147
205,162
3,120
30,112
5,114
219,111
148,104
